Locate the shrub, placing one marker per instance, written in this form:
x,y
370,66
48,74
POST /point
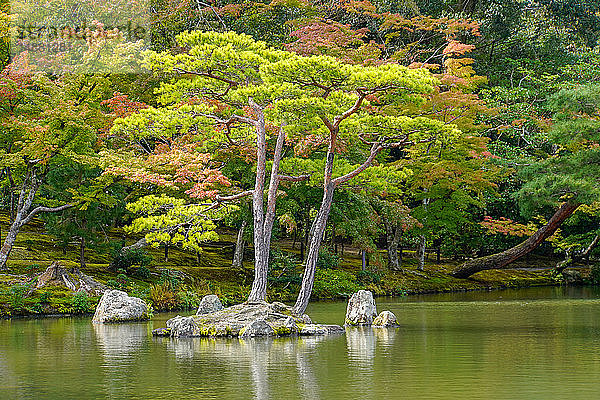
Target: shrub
x,y
80,302
129,258
123,280
45,297
283,269
162,297
369,277
166,278
139,291
16,295
327,260
143,272
188,300
331,283
111,283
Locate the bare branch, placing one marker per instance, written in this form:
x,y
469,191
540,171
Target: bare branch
x,y
337,120
375,149
41,209
221,199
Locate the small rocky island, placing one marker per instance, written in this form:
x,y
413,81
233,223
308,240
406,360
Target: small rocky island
x,y
268,319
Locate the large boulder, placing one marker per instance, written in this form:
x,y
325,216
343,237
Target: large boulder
x,y
385,320
181,326
361,309
117,306
209,304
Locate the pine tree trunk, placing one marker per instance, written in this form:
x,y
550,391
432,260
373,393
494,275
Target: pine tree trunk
x,y
501,260
316,236
264,219
238,254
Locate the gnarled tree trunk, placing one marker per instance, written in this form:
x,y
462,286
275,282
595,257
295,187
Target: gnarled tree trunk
x,y
501,260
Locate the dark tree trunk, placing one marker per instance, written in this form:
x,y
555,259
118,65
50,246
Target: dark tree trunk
x,y
393,236
363,257
82,253
501,260
238,254
166,252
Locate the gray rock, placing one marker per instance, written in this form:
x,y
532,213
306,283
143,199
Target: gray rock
x,y
258,327
361,309
182,326
385,319
209,304
281,308
117,306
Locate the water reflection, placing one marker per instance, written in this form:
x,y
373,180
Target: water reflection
x,y
118,341
260,358
507,349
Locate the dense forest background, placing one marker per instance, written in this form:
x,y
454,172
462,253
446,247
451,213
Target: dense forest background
x,y
499,143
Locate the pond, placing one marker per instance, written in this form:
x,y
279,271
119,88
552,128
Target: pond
x,y
541,343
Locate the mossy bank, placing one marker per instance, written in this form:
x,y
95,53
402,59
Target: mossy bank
x,y
179,281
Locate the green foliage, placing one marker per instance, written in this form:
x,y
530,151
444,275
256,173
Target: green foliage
x,y
142,272
80,302
169,220
327,259
188,299
367,277
162,297
129,258
169,279
17,294
331,283
282,270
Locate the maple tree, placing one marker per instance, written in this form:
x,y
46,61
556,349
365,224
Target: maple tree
x,y
44,128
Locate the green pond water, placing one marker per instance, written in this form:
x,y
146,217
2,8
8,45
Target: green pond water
x,y
541,343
